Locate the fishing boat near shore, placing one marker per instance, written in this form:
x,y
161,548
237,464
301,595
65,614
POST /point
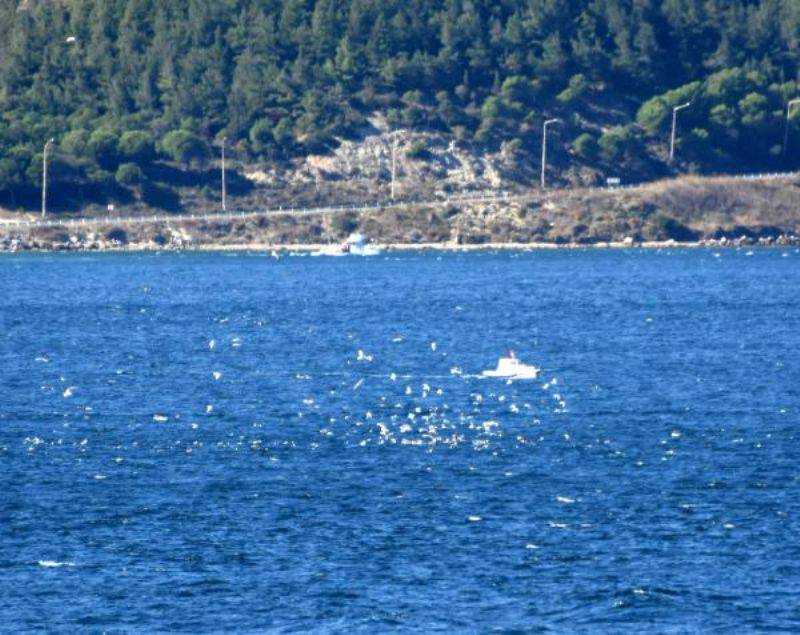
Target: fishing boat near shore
x,y
357,244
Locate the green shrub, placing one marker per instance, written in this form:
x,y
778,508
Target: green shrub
x,y
615,143
585,146
129,175
137,146
512,146
261,137
723,116
185,147
516,89
99,176
575,89
75,142
418,150
652,114
413,97
655,113
754,108
102,145
283,133
492,108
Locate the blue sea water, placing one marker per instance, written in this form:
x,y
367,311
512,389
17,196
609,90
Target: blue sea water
x,y
209,442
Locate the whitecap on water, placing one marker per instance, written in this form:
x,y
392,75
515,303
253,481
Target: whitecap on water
x,y
49,564
385,432
564,499
474,519
160,418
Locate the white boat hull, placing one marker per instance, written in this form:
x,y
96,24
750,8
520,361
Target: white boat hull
x,y
512,368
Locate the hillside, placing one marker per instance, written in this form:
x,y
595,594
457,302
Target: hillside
x,y
139,95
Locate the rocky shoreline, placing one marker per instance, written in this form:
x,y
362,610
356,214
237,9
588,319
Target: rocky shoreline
x,y
17,245
690,211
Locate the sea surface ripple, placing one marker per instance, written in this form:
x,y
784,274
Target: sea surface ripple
x,y
208,442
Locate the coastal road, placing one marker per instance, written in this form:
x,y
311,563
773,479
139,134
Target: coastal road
x,y
492,196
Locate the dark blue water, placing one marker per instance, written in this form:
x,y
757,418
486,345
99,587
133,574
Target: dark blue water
x,y
194,443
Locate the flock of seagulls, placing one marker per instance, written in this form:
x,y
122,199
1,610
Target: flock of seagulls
x,y
428,410
389,408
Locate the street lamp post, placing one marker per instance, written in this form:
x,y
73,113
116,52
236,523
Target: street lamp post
x,y
44,176
394,162
675,129
792,103
544,150
224,184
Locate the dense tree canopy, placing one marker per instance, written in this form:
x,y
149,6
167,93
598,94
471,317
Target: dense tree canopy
x,y
115,81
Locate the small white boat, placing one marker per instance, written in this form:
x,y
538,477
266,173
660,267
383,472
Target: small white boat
x,y
510,367
356,245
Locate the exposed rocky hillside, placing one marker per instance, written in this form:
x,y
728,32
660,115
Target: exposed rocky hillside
x,y
426,164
